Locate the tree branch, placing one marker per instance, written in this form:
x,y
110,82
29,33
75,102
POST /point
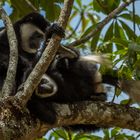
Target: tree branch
x,y
104,115
47,56
101,24
15,121
100,114
13,59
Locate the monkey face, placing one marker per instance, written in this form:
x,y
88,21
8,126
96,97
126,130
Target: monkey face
x,y
31,37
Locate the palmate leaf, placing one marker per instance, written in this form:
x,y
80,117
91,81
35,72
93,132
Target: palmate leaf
x,y
105,6
94,42
88,30
119,41
109,32
119,31
131,35
129,16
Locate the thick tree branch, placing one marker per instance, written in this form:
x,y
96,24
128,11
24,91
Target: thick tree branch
x,y
101,24
20,125
99,113
16,121
47,56
13,59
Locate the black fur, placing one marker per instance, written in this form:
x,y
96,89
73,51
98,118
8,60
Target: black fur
x,y
33,18
75,80
26,60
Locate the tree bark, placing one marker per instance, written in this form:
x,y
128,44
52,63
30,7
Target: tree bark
x,y
17,123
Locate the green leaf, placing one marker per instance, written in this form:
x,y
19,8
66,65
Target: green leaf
x,y
109,33
73,15
94,42
115,3
79,2
110,2
35,3
105,6
88,30
93,18
84,23
131,35
129,16
106,134
51,8
84,136
97,7
59,133
20,9
124,137
115,131
125,102
119,41
117,33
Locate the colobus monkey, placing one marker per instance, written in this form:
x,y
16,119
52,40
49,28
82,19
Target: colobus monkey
x,y
77,79
30,31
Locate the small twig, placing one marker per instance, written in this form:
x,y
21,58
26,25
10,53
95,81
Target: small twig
x,y
13,59
101,24
31,5
46,58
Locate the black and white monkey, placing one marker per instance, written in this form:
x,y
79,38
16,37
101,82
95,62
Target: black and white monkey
x,y
30,31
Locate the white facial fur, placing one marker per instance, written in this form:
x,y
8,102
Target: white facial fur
x,y
27,31
49,83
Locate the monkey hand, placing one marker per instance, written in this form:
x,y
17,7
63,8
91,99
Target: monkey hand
x,y
54,29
